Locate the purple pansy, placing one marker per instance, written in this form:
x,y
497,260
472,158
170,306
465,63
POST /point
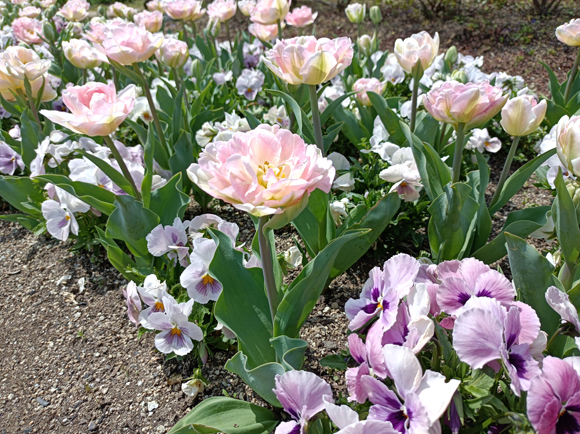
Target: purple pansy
x,y
347,421
382,292
170,240
9,160
200,285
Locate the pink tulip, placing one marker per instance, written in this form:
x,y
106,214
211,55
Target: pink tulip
x,y
173,53
29,12
364,85
269,12
151,21
222,10
472,104
264,171
569,33
155,5
95,108
97,32
301,17
127,43
420,47
264,33
75,10
82,54
27,30
186,10
247,6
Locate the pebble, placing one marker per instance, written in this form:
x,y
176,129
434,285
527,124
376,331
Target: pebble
x,y
152,405
330,345
63,279
334,305
42,402
326,309
93,426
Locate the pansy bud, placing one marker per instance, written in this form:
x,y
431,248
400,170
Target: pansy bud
x,y
356,12
365,45
451,55
375,15
193,387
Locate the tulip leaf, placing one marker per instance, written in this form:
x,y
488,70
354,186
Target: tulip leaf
x,y
555,86
290,352
169,202
243,306
177,115
252,121
515,182
532,276
226,415
332,105
566,222
311,222
293,105
521,223
389,118
554,113
115,176
148,160
452,221
478,182
28,222
131,222
428,129
305,290
18,191
14,144
351,129
331,134
183,156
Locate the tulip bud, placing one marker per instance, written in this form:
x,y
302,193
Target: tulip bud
x,y
48,32
460,76
375,15
522,115
365,45
51,12
356,12
451,55
350,81
102,11
213,27
568,143
197,69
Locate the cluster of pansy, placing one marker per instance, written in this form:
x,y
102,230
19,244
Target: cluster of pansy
x,y
399,308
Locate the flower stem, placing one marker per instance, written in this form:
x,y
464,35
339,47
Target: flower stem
x,y
268,267
414,103
32,104
229,38
122,165
316,118
186,34
279,29
84,77
152,107
180,85
115,78
506,170
553,337
571,78
458,154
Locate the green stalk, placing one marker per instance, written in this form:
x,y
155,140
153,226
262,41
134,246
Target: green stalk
x,y
458,154
122,165
554,336
186,34
30,100
506,170
179,84
279,29
316,118
268,267
571,79
152,107
229,38
84,77
414,103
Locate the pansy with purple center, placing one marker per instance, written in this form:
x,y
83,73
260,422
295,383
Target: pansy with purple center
x,y
177,333
486,332
382,292
423,397
9,159
152,294
302,394
461,280
203,222
553,400
170,240
59,214
196,278
347,421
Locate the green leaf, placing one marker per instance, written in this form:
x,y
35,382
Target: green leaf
x,y
289,351
375,222
182,158
17,191
334,361
28,222
311,222
226,415
177,115
328,112
554,113
351,128
131,222
390,119
169,202
452,218
198,103
515,182
252,121
305,290
243,306
483,224
331,134
566,222
117,257
166,102
555,87
10,107
31,137
532,276
427,128
116,176
149,151
206,116
293,105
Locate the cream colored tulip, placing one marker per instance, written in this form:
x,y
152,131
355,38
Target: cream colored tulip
x,y
522,115
420,47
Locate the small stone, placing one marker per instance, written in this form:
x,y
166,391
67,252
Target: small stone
x,y
63,279
81,284
93,426
334,305
152,405
330,345
42,402
139,383
27,430
326,310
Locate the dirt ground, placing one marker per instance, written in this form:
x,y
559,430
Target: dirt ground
x,y
70,360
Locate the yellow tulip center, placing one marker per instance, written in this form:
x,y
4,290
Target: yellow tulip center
x,y
263,169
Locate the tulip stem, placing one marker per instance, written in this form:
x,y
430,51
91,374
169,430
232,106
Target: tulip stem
x,y
109,142
506,170
458,154
571,78
180,86
84,77
186,34
268,267
31,102
414,102
316,118
279,29
152,107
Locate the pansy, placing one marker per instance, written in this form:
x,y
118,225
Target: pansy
x,y
59,214
404,175
200,285
133,301
278,116
481,141
347,421
249,83
382,292
560,302
152,293
170,240
9,159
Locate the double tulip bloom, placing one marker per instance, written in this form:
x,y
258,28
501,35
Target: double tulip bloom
x,y
151,21
75,10
222,10
568,143
472,104
95,108
127,43
268,12
307,60
185,10
263,33
246,7
419,48
82,54
569,33
173,53
301,17
364,85
522,115
27,30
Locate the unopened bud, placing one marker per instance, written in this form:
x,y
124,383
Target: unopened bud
x,y
51,12
48,32
460,76
365,45
197,69
193,387
102,11
375,15
451,55
213,28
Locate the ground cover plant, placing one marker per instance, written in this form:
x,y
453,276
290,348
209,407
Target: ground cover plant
x,y
113,125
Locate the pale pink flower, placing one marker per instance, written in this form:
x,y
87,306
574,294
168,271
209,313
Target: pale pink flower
x,y
264,33
187,10
301,17
27,30
569,33
82,54
568,143
472,104
97,32
127,43
364,85
173,53
246,6
29,12
308,60
75,10
269,12
264,171
155,5
420,47
152,21
222,10
95,108
522,115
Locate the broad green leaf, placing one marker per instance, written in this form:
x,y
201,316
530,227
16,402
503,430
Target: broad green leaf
x,y
28,222
165,100
351,128
483,223
177,115
452,217
117,257
18,190
252,121
334,361
390,119
226,415
147,182
331,134
206,116
305,290
332,106
243,306
427,128
554,113
555,87
311,222
290,352
293,105
182,158
131,222
115,176
566,222
31,137
169,202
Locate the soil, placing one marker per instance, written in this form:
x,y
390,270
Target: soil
x,y
70,360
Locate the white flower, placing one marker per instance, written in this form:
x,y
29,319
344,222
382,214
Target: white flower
x,y
278,116
392,70
223,77
404,174
293,257
379,142
59,214
206,135
332,93
338,210
481,140
250,83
